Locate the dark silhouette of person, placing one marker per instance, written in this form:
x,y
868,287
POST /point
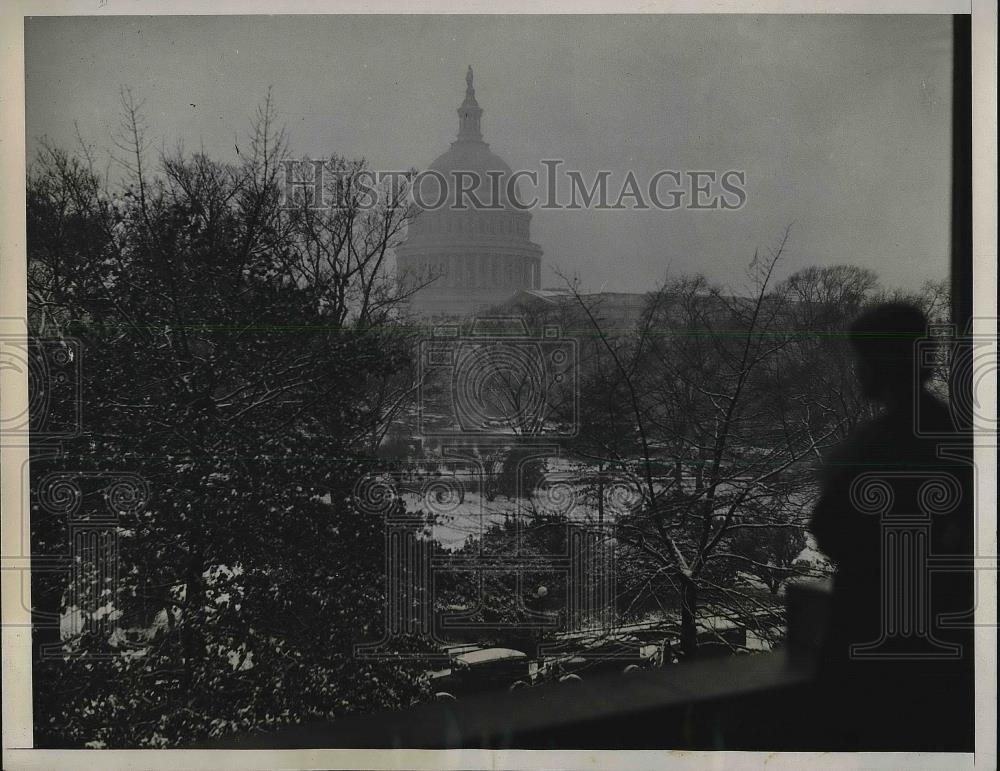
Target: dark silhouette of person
x,y
893,674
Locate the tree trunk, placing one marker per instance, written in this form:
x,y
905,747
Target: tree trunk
x,y
193,641
600,498
689,607
192,615
48,539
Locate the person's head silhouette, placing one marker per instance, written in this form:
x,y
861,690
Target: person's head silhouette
x,y
885,347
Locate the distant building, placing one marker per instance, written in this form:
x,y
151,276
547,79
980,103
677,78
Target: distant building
x,y
613,310
462,262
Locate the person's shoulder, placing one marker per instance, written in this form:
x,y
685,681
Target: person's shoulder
x,y
847,455
871,444
933,414
865,436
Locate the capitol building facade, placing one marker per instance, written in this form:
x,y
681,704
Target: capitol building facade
x,y
459,260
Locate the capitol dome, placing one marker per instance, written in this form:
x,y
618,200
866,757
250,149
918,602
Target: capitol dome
x,y
465,253
472,154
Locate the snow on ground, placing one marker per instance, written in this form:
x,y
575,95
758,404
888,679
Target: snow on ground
x,y
457,518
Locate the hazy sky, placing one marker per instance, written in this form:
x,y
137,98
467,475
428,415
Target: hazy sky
x,y
841,124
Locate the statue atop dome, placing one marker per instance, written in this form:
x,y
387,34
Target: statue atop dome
x,y
469,113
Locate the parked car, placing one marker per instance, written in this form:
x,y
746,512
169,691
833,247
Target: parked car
x,y
485,668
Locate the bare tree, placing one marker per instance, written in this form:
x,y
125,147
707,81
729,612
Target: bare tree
x,y
713,452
